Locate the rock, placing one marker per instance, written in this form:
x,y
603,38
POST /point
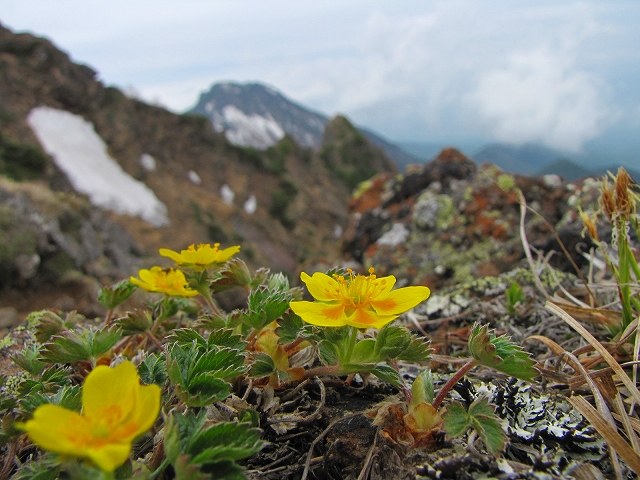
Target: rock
x,y
448,222
8,317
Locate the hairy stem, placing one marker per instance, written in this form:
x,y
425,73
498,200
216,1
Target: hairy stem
x,y
452,381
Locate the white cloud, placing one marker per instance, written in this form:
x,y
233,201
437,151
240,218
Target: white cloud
x,y
412,70
539,96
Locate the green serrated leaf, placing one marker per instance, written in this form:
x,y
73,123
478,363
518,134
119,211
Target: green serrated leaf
x,y
456,419
28,360
226,338
224,363
45,468
138,321
490,431
178,429
290,326
328,352
364,352
500,353
263,366
418,351
204,390
66,397
265,306
391,341
47,323
519,365
80,345
153,369
224,441
481,347
111,297
198,376
389,375
259,278
482,418
187,337
234,273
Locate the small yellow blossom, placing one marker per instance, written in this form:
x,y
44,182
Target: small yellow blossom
x,y
201,257
168,281
359,301
115,410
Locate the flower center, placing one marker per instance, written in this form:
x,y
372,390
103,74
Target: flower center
x,y
357,291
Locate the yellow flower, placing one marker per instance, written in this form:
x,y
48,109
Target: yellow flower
x,y
200,257
359,301
115,410
168,281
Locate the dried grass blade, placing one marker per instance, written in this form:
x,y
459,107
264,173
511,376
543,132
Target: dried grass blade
x,y
525,246
613,438
624,378
631,434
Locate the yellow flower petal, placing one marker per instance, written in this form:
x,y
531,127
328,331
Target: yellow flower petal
x,y
364,318
398,301
110,456
320,314
106,387
321,287
116,409
227,253
147,408
175,256
57,429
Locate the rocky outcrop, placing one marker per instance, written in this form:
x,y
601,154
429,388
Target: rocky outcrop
x,y
265,201
448,221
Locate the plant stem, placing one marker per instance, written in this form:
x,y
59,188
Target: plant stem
x,y
324,370
452,381
353,337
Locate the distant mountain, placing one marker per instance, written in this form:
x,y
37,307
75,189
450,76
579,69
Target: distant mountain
x,y
566,169
571,171
258,116
527,159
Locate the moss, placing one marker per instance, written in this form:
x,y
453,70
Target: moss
x,y
446,212
361,188
506,182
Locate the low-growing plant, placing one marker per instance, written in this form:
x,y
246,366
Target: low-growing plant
x,y
183,358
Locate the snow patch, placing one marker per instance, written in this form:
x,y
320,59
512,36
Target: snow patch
x,y
227,194
194,177
251,205
209,107
148,162
82,155
248,130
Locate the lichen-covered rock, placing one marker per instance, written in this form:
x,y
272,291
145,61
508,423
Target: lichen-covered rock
x,y
448,222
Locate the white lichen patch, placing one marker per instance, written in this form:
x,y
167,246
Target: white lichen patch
x,y
394,237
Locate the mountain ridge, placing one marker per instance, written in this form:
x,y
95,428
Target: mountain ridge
x,y
255,115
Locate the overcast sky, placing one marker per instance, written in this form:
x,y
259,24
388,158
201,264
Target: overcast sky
x,y
558,72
